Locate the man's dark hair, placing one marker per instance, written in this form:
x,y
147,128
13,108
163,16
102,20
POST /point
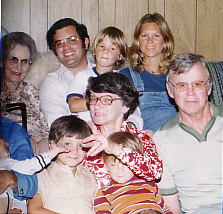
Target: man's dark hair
x,y
80,28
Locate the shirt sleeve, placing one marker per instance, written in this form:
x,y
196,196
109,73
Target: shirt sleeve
x,y
78,85
53,98
28,166
166,184
147,165
20,149
101,204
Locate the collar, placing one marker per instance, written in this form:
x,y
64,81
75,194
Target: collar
x,y
217,111
64,69
57,168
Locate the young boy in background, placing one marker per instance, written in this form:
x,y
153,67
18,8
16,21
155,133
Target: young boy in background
x,y
126,192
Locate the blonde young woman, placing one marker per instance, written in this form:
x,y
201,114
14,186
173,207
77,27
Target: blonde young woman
x,y
149,56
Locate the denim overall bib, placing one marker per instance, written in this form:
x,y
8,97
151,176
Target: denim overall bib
x,y
156,107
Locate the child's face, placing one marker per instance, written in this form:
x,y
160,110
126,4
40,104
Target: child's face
x,y
3,149
106,53
76,154
118,171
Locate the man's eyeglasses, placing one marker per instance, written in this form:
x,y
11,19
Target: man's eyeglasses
x,y
14,61
183,86
105,100
71,41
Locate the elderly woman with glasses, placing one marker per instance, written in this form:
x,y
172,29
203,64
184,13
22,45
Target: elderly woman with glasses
x,y
111,98
18,53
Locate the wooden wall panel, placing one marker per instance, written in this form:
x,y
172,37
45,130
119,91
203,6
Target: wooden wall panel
x,y
89,17
128,14
39,23
106,15
58,9
157,6
209,37
196,24
16,15
181,17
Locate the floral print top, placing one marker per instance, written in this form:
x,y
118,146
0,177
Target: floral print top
x,y
28,94
148,165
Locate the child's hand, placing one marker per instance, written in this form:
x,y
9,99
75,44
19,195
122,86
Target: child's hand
x,y
55,150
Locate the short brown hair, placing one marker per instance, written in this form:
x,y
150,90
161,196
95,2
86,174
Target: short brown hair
x,y
125,139
69,126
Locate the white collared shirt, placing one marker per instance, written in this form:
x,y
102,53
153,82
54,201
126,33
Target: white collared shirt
x,y
53,93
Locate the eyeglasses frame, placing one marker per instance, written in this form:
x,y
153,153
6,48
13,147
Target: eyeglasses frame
x,y
205,82
99,98
18,60
65,40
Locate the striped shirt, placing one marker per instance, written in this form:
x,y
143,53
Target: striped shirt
x,y
131,197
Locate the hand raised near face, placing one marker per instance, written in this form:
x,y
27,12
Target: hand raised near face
x,y
98,142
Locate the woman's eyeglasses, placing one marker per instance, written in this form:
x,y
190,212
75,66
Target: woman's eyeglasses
x,y
14,61
105,100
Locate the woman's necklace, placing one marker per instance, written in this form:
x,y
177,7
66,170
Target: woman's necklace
x,y
148,69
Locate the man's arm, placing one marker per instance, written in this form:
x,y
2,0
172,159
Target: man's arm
x,y
19,149
7,179
172,201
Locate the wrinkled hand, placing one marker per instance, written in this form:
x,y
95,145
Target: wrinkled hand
x,y
7,179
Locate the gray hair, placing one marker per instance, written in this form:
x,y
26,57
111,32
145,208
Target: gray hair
x,y
183,64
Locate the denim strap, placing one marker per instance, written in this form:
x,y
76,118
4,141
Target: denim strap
x,y
138,82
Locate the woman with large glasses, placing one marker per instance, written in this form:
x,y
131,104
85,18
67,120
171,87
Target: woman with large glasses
x,y
18,53
111,98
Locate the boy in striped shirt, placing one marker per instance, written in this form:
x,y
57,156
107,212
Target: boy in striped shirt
x,y
127,193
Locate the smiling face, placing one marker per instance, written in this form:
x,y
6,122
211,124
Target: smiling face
x,y
151,40
72,56
190,102
76,154
118,171
14,74
108,114
106,53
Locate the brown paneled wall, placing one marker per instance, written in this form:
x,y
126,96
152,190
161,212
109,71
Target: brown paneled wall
x,y
197,25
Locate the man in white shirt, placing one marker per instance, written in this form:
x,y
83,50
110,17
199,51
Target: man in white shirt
x,y
70,41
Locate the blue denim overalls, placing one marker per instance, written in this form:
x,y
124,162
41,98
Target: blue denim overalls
x,y
156,107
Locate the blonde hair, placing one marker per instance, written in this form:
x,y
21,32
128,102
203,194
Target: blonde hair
x,y
124,139
116,37
135,55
